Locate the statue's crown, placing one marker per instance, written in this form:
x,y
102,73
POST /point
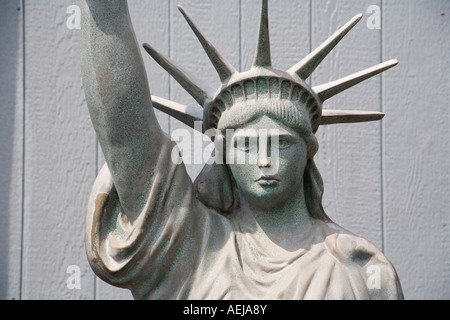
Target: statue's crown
x,y
262,82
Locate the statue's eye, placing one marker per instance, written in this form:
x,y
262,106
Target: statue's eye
x,y
246,144
284,141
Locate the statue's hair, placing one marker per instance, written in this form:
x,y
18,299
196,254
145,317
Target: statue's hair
x,y
265,94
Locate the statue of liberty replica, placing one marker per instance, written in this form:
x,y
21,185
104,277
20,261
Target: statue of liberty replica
x,y
252,225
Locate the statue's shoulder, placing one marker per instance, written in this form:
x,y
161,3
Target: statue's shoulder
x,y
348,247
363,256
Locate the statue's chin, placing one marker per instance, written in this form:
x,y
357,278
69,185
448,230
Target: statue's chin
x,y
265,195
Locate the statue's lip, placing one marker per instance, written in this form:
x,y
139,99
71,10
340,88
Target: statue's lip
x,y
268,178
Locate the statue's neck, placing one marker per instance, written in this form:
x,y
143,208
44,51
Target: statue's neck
x,y
287,225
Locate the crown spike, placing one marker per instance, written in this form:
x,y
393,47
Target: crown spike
x,y
187,115
329,90
223,67
306,67
344,116
186,81
263,57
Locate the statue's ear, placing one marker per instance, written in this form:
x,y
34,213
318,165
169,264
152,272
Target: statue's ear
x,y
215,188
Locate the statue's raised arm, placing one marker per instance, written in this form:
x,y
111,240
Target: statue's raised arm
x,y
119,100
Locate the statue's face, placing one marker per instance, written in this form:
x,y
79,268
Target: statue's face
x,y
267,161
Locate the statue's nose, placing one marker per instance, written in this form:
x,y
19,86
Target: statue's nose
x,y
263,159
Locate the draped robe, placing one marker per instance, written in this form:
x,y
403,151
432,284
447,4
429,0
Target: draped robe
x,y
180,249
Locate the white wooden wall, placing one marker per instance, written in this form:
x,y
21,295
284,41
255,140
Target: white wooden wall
x,y
388,181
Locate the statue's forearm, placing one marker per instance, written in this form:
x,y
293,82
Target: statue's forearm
x,y
114,78
118,97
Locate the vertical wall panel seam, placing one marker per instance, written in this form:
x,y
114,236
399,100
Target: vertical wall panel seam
x,y
240,36
310,80
97,167
22,4
382,178
98,149
170,27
